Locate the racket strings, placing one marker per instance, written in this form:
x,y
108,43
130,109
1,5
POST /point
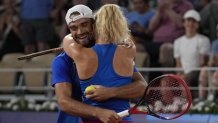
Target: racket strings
x,y
166,96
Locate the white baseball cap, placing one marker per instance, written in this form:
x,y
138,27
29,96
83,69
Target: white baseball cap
x,y
192,14
84,12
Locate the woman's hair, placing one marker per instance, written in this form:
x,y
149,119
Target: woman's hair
x,y
110,24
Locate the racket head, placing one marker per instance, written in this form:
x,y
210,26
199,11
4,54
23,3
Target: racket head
x,y
166,97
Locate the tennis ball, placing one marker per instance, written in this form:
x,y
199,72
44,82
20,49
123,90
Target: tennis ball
x,y
91,87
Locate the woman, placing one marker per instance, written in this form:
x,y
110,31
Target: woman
x,y
10,41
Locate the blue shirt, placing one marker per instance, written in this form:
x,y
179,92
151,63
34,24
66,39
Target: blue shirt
x,y
142,19
106,76
36,9
64,70
215,46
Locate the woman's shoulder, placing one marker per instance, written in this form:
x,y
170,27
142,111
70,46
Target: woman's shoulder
x,y
128,48
68,37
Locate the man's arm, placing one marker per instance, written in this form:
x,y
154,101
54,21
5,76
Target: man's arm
x,y
213,61
175,17
73,49
203,60
155,21
179,65
73,107
133,90
63,79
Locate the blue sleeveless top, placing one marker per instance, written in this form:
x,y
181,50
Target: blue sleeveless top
x,y
106,76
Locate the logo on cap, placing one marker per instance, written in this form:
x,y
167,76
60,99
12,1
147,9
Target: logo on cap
x,y
78,12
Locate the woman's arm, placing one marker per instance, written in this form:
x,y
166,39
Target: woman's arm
x,y
72,48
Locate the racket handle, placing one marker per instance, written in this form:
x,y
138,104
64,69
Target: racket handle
x,y
123,113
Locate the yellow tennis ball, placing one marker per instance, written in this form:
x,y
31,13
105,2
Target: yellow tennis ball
x,y
91,87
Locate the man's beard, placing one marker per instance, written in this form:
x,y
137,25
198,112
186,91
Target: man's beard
x,y
89,41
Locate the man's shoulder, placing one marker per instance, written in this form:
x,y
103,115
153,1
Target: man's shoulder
x,y
132,13
203,37
215,43
186,3
62,58
181,38
150,12
68,37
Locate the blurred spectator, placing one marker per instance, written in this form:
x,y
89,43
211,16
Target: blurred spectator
x,y
62,29
109,2
199,4
1,7
153,3
124,4
92,4
191,50
139,20
58,18
10,29
203,78
57,8
76,2
166,58
166,25
209,20
37,28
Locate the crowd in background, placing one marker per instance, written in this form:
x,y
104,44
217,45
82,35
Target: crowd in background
x,y
159,28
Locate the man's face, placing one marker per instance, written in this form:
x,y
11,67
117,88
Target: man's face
x,y
8,5
139,5
191,25
82,31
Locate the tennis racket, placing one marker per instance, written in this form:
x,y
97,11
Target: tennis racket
x,y
32,55
54,50
166,97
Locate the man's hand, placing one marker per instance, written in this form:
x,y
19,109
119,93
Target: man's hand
x,y
180,74
100,93
108,116
164,4
9,19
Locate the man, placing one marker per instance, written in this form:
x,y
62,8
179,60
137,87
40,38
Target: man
x,y
203,77
139,19
166,24
36,15
209,19
65,81
191,50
